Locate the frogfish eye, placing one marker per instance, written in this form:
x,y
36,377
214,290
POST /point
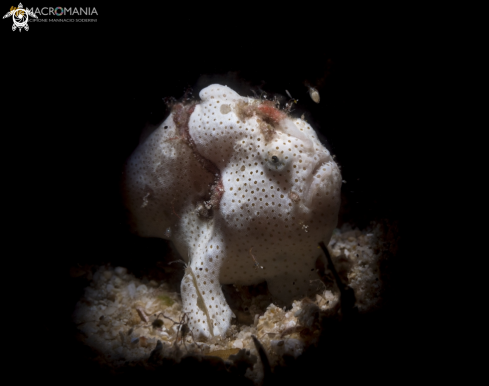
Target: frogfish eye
x,y
275,162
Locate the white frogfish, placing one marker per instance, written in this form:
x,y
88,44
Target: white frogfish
x,y
244,191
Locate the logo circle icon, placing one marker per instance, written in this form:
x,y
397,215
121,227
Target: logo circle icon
x,y
20,18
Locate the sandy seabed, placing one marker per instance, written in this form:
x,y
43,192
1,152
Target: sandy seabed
x,y
126,318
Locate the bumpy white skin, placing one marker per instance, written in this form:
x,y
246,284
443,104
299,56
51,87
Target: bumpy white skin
x,y
280,210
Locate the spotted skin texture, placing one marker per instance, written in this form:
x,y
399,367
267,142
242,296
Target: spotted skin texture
x,y
236,185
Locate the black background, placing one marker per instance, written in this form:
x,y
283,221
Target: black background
x,y
89,88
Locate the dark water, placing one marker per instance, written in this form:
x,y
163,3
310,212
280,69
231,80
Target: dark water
x,y
95,93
